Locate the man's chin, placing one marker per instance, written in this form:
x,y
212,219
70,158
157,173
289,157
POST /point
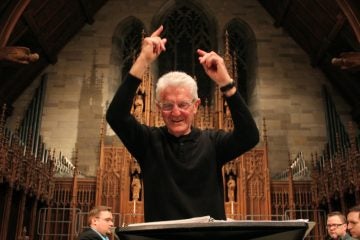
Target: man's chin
x,y
354,235
178,133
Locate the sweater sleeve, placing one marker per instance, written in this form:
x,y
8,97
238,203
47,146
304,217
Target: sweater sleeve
x,y
120,119
245,134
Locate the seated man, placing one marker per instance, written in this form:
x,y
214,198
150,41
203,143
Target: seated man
x,y
100,221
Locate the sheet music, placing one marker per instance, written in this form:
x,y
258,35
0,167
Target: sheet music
x,y
207,219
203,219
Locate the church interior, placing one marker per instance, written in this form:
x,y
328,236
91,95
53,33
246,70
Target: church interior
x,y
296,64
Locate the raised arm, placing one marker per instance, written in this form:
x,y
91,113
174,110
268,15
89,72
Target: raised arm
x,y
245,134
118,115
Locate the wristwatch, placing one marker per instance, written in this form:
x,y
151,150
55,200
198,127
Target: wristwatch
x,y
227,87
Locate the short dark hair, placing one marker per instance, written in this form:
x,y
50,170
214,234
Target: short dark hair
x,y
355,209
95,212
339,214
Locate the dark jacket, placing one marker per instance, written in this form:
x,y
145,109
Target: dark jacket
x,y
89,234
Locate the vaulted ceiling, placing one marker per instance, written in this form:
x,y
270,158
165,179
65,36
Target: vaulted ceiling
x,y
325,29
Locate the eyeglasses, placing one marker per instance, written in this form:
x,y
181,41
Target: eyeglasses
x,y
169,106
334,225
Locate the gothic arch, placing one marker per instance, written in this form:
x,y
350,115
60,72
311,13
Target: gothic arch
x,y
172,4
188,25
126,44
242,43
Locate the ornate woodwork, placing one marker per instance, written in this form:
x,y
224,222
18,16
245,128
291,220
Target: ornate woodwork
x,y
26,180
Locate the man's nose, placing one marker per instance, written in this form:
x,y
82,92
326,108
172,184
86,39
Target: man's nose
x,y
175,110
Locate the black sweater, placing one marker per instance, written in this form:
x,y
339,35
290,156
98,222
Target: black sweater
x,y
182,175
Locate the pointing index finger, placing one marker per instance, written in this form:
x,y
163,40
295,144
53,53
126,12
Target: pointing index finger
x,y
157,32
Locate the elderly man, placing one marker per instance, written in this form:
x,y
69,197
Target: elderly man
x,y
353,219
181,164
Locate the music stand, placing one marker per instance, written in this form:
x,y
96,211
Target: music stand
x,y
225,230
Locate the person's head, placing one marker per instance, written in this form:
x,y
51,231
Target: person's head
x,y
100,218
177,99
353,219
336,225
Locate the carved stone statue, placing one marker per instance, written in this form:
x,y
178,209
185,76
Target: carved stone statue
x,y
231,184
230,168
18,55
348,60
135,188
135,167
138,106
227,110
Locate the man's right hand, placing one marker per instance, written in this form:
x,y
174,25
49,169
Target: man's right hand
x,y
151,48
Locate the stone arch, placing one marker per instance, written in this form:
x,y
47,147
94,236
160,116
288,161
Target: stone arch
x,y
242,41
126,44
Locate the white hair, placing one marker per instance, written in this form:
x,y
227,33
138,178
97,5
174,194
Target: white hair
x,y
176,79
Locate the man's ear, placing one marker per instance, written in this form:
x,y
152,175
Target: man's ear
x,y
93,221
197,104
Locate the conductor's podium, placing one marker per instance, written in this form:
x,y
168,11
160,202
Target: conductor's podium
x,y
217,230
